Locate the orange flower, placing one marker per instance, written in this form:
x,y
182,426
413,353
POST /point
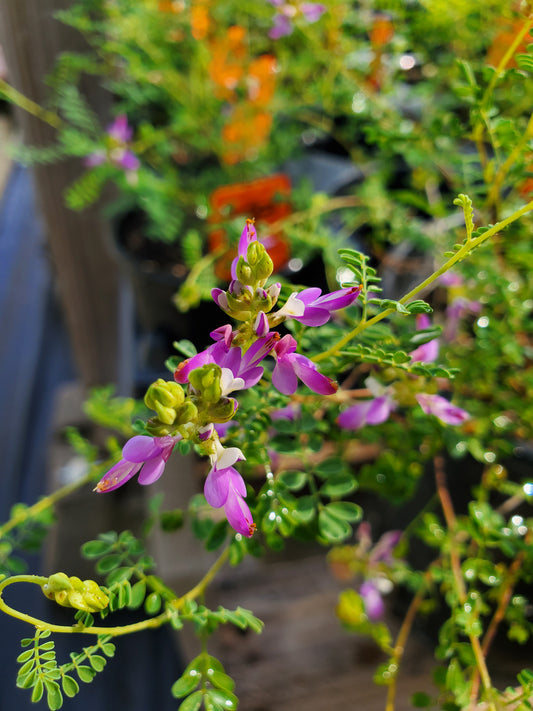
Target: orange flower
x,y
200,21
173,6
246,131
226,67
267,199
261,79
504,39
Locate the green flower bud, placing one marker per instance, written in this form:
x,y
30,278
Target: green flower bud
x,y
164,396
188,412
259,261
156,428
223,410
206,381
244,272
72,592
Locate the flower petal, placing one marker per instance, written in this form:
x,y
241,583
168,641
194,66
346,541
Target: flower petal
x,y
354,417
374,605
238,514
152,470
284,378
216,487
307,372
379,410
141,448
117,475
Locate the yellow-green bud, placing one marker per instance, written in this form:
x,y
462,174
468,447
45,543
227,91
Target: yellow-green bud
x,y
164,396
72,592
206,381
244,272
259,261
188,412
156,428
223,410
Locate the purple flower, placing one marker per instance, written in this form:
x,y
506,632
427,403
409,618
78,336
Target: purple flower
x,y
244,366
290,412
368,412
457,309
225,487
290,366
442,409
287,11
119,135
147,455
248,235
374,605
427,352
312,309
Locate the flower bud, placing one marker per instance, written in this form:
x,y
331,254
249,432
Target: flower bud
x,y
223,410
72,592
260,262
164,396
206,381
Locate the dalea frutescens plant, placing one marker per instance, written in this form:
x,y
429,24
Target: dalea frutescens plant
x,y
283,378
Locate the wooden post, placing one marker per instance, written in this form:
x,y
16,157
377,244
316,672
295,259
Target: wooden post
x,y
86,274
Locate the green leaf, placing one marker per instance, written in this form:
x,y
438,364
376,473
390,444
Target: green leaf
x,y
329,467
54,696
217,536
338,486
221,681
96,549
97,662
305,509
193,702
186,684
138,592
421,700
70,686
333,528
293,480
152,604
85,673
108,563
186,347
346,510
223,699
38,690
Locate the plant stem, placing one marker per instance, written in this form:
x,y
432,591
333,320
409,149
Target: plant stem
x,y
15,97
461,254
43,504
455,561
153,622
402,638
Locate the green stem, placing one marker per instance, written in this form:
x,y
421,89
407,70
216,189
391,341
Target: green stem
x,y
43,504
151,623
15,97
461,254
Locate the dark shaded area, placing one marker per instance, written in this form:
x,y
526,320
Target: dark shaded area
x,y
36,360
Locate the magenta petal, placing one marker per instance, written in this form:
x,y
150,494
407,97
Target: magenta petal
x,y
442,409
339,299
216,487
181,373
308,296
95,159
312,11
117,475
374,605
313,316
427,352
252,376
141,448
354,417
238,514
379,410
120,130
281,27
152,470
129,161
283,378
309,375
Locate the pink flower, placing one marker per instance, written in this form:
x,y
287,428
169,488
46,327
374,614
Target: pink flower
x,y
225,487
368,412
427,352
119,135
312,309
442,409
290,366
312,12
374,605
147,455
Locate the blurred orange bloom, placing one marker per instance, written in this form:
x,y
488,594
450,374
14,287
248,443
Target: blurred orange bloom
x,y
503,41
226,67
246,131
261,79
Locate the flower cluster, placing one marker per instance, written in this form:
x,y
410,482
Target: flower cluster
x,y
378,409
198,401
117,152
287,12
